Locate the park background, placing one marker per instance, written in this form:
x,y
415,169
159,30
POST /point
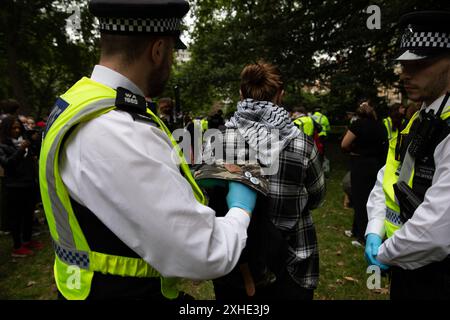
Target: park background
x,y
328,56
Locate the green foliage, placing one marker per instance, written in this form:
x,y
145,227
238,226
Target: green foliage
x,y
310,41
40,59
313,42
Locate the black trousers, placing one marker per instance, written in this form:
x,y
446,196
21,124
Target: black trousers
x,y
431,282
284,288
363,177
20,206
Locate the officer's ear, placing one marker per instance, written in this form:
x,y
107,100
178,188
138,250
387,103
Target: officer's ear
x,y
157,51
160,49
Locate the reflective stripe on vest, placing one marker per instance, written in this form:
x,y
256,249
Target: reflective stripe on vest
x,y
391,176
388,124
392,135
319,117
86,100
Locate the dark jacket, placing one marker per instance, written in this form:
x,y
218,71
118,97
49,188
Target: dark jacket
x,y
19,166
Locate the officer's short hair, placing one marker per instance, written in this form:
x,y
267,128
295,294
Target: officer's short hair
x,y
129,47
300,109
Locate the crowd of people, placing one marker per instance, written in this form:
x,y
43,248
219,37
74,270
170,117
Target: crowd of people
x,y
134,220
20,140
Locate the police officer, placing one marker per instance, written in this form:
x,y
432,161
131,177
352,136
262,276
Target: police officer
x,y
125,215
304,122
322,119
393,123
409,203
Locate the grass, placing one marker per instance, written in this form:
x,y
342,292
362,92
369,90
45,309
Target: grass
x,y
27,278
342,267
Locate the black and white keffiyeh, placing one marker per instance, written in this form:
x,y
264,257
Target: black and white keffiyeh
x,y
266,127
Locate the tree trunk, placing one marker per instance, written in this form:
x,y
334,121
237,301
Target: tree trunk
x,y
15,77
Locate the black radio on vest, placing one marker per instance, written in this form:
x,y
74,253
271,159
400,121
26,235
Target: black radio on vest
x,y
429,129
430,132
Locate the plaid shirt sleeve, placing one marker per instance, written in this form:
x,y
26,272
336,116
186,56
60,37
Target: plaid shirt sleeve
x,y
315,181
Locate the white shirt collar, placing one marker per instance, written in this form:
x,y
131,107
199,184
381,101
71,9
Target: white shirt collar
x,y
436,105
113,79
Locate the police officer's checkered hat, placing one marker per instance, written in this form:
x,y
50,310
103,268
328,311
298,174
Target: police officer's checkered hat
x,y
141,16
425,34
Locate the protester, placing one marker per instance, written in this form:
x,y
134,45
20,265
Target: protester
x,y
366,141
216,120
31,125
167,113
409,203
295,188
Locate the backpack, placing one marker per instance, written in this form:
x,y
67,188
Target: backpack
x,y
265,254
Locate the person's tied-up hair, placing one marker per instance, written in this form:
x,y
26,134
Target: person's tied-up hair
x,y
260,81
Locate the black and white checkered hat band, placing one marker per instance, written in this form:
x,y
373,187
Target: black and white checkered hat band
x,y
140,25
425,40
72,257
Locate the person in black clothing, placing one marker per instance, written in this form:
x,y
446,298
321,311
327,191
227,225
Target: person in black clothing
x,y
167,114
366,140
19,163
216,120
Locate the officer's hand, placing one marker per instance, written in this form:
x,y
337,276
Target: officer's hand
x,y
373,242
210,183
241,196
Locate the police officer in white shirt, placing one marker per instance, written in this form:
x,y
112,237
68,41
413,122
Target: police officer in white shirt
x,y
409,203
134,213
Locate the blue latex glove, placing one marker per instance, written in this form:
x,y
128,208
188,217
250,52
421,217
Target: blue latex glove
x,y
209,183
241,196
373,242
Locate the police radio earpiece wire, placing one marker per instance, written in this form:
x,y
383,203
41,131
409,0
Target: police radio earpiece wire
x,y
444,103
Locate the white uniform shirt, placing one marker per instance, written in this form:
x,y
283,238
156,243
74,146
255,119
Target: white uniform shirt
x,y
425,238
122,171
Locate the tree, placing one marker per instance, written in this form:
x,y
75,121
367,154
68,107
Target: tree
x,y
326,42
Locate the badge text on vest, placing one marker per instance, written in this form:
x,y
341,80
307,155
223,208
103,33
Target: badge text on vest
x,y
130,101
130,98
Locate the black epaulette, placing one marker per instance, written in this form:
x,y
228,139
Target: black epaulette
x,y
135,105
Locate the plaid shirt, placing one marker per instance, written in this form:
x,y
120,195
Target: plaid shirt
x,y
297,187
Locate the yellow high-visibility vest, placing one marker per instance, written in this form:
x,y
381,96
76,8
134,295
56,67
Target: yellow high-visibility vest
x,y
392,222
85,101
305,124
